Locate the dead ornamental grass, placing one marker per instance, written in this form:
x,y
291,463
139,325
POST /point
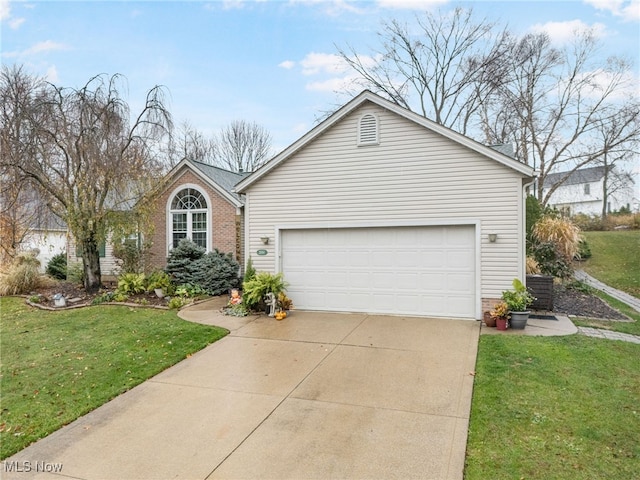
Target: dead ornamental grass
x,y
562,232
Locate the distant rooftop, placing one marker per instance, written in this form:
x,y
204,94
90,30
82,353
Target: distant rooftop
x,y
583,175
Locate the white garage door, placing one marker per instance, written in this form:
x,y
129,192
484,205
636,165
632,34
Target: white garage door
x,y
398,270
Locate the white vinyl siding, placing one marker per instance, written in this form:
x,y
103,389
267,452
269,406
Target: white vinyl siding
x,y
108,265
414,175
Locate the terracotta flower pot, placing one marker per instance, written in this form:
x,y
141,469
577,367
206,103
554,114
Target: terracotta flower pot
x,y
489,321
501,323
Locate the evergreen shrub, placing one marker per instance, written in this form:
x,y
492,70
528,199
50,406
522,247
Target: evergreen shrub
x,y
57,266
214,272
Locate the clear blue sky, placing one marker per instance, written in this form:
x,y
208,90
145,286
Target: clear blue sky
x,y
272,62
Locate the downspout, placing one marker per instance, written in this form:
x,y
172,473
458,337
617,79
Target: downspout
x,y
523,233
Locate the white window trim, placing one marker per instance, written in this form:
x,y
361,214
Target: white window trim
x,y
169,217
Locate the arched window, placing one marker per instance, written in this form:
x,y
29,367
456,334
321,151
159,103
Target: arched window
x,y
189,217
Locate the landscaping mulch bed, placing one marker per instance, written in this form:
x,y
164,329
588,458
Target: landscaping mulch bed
x,y
76,296
576,303
566,300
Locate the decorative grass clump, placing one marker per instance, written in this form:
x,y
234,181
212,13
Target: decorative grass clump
x,y
23,276
561,232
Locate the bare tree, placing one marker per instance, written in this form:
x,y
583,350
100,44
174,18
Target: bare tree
x,y
242,146
85,153
190,143
443,72
553,103
548,101
18,210
620,137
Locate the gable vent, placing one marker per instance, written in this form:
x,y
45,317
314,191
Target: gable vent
x,y
368,130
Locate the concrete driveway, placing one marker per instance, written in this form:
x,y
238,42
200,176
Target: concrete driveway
x,y
317,395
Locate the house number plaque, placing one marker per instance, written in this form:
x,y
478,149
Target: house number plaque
x,y
261,252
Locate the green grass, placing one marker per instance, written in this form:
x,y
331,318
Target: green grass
x,y
557,408
615,259
57,366
563,407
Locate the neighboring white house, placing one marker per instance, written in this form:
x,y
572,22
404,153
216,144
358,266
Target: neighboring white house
x,y
582,192
49,236
378,209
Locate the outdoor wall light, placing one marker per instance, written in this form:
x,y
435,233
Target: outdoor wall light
x,y
493,237
265,240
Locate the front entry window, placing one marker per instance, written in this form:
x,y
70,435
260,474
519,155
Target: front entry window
x,y
189,217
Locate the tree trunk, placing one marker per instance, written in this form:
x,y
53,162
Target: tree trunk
x,y
91,265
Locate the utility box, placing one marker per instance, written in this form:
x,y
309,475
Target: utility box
x,y
541,287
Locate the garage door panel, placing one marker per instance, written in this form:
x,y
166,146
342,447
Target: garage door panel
x,y
431,282
336,279
358,259
459,305
294,259
338,258
459,259
404,259
382,258
459,236
405,270
433,238
357,279
435,304
431,259
410,281
359,300
315,300
463,283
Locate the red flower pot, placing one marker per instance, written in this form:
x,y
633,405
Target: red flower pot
x,y
501,323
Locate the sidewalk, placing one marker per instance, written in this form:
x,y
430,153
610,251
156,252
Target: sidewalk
x,y
608,334
630,300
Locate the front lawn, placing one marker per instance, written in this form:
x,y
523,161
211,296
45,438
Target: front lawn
x,y
615,260
57,366
558,407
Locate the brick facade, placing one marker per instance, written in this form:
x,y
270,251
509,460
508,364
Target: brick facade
x,y
489,303
224,230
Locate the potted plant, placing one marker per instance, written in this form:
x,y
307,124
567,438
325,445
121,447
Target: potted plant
x,y
489,321
159,282
500,315
262,291
517,301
